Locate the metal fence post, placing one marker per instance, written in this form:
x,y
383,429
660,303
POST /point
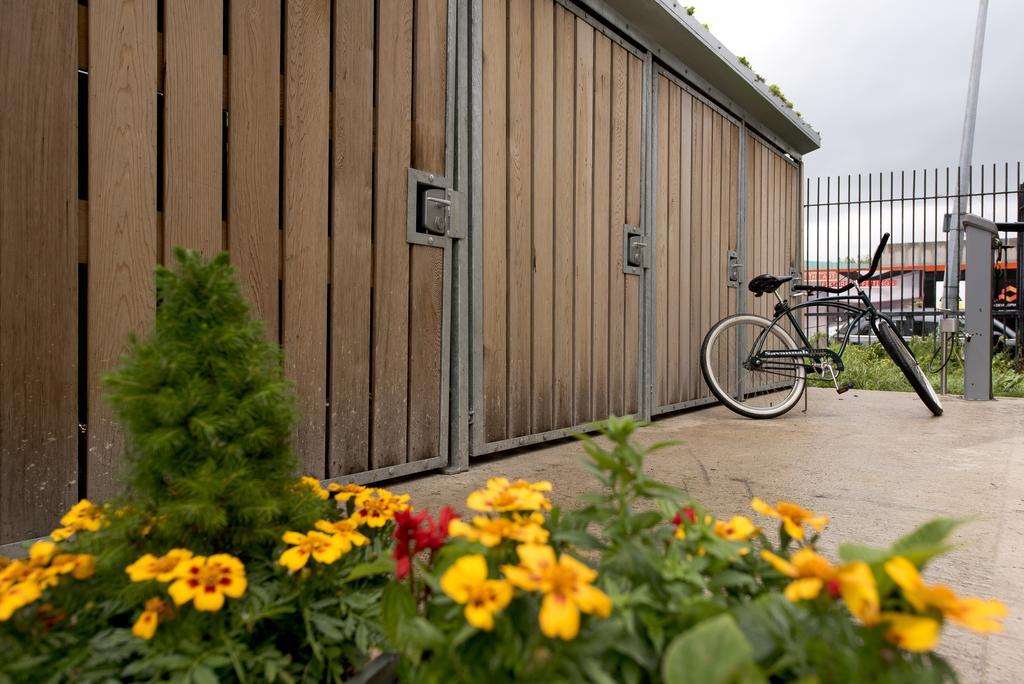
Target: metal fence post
x,y
978,329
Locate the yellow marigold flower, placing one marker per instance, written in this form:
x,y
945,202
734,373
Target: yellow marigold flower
x,y
492,531
206,581
739,528
145,626
976,614
812,572
78,565
567,587
911,632
466,583
346,532
20,571
162,569
793,517
345,492
41,552
16,596
84,515
502,496
312,485
324,548
376,507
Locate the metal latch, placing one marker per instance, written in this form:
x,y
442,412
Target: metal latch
x,y
435,211
734,269
635,249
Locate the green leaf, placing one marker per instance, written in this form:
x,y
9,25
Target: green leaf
x,y
578,538
713,652
381,566
929,537
396,606
857,552
203,675
642,521
731,578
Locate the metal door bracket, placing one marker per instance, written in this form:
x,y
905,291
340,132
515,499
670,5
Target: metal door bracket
x,y
734,269
634,248
436,211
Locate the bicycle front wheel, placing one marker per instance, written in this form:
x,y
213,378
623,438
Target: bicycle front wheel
x,y
898,350
743,380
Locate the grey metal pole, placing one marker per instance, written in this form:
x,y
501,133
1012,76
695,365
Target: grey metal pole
x,y
954,236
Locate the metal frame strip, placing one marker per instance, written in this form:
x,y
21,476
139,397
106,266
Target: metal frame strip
x,y
648,290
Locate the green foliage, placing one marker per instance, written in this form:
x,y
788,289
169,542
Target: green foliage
x,y
208,417
777,92
690,9
207,412
869,367
745,62
701,608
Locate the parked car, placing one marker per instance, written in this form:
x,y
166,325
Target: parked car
x,y
921,323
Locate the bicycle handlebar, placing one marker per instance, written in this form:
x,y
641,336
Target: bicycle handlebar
x,y
875,261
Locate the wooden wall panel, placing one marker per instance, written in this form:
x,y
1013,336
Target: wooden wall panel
x,y
617,219
123,245
583,225
495,149
696,224
600,237
561,147
306,160
520,142
193,119
542,314
634,141
352,244
254,165
391,249
564,257
426,265
38,267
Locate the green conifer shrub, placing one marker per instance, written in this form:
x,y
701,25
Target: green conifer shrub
x,y
208,414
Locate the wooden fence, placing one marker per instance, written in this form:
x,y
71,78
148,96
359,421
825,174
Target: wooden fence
x,y
129,130
293,133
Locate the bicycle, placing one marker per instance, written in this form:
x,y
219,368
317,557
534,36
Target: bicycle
x,y
756,368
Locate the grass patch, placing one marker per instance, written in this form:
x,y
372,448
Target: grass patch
x,y
869,367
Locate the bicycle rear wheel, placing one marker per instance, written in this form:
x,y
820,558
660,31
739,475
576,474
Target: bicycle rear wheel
x,y
901,354
751,386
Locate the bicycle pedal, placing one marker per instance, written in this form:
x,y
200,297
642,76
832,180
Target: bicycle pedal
x,y
844,388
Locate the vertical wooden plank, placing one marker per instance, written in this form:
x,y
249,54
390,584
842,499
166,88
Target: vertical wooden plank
x,y
520,108
661,202
707,228
543,213
306,160
583,225
193,119
426,266
734,170
38,267
122,209
689,364
714,227
564,257
617,196
697,299
674,288
352,246
254,169
634,141
602,170
391,248
495,294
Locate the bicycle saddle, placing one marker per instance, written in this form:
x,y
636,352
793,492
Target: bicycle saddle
x,y
767,283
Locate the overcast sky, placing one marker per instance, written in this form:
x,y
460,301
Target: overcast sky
x,y
885,81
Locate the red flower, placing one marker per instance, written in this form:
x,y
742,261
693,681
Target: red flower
x,y
418,532
690,514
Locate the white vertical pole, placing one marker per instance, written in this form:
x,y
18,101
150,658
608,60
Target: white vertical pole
x,y
954,238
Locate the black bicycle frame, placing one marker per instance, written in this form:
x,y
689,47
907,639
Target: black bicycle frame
x,y
783,310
